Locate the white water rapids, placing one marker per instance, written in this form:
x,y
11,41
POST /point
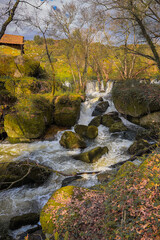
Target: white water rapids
x,y
23,200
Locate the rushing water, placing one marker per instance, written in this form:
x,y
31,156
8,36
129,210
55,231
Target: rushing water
x,y
24,199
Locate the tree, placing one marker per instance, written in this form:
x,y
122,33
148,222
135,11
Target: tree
x,y
9,10
146,17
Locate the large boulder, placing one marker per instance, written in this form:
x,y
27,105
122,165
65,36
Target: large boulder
x,y
16,174
72,140
136,99
28,120
100,108
150,120
93,155
67,110
90,132
72,213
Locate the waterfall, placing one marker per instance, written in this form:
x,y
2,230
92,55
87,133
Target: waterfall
x,y
22,200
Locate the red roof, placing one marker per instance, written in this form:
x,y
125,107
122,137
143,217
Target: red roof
x,y
12,39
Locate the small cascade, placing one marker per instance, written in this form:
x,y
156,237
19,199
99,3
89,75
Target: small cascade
x,y
24,199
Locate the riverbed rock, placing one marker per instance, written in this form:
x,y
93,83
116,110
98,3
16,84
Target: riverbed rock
x,y
67,110
81,130
72,140
96,121
136,99
110,118
92,132
18,173
25,219
150,120
29,119
137,146
100,108
92,155
71,211
118,127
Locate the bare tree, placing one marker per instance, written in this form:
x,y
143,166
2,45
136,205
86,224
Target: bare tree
x,y
9,10
146,16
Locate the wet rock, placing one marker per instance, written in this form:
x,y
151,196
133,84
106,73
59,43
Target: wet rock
x,y
100,99
72,140
92,156
67,110
25,219
95,121
16,174
110,118
81,130
100,108
90,132
137,146
52,131
118,127
68,180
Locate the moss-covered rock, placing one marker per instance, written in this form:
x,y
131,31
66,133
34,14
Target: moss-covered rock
x,y
118,127
136,99
72,210
29,119
150,120
6,98
67,110
147,134
16,174
81,130
95,121
92,132
93,155
72,140
137,146
110,118
25,219
100,108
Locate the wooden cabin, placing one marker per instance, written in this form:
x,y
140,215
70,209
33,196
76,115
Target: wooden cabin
x,y
14,41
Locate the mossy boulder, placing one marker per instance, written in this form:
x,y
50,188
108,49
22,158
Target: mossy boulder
x,y
90,132
118,127
136,99
127,167
25,219
81,130
6,98
72,140
138,146
96,121
100,108
67,110
16,174
29,119
110,118
92,156
72,211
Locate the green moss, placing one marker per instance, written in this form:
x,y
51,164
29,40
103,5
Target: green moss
x,y
72,140
95,121
117,127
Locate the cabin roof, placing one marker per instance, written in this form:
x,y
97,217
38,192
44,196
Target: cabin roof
x,y
12,39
